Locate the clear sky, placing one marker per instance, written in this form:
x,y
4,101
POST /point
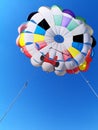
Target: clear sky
x,y
49,102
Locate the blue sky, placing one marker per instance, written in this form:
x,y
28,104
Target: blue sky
x,y
49,102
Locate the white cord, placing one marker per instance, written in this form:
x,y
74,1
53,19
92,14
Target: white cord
x,y
13,101
89,84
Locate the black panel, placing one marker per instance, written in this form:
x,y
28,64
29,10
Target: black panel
x,y
94,42
44,24
78,38
30,15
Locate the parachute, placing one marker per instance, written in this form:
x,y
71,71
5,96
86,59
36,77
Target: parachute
x,y
57,40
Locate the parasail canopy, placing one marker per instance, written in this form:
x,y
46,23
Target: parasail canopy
x,y
57,40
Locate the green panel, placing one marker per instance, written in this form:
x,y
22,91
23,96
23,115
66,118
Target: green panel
x,y
55,6
80,18
58,19
72,25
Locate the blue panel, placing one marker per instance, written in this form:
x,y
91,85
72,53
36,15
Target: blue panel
x,y
77,45
87,43
83,53
39,30
29,43
70,59
33,21
37,45
92,53
26,31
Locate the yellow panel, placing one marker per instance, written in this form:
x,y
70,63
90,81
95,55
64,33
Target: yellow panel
x,y
21,40
74,52
83,65
38,38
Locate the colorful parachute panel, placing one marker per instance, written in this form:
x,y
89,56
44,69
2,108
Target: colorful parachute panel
x,y
57,40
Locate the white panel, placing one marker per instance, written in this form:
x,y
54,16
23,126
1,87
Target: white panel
x,y
54,45
47,67
57,28
45,50
68,41
85,48
28,37
60,69
49,39
31,49
78,30
46,13
31,27
56,10
35,60
80,58
63,47
89,30
60,73
87,38
52,53
37,18
63,31
50,33
59,48
70,64
59,55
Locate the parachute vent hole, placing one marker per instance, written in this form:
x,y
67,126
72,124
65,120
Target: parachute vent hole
x,y
57,64
58,38
42,58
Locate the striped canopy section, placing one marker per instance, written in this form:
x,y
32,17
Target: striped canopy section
x,y
57,40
